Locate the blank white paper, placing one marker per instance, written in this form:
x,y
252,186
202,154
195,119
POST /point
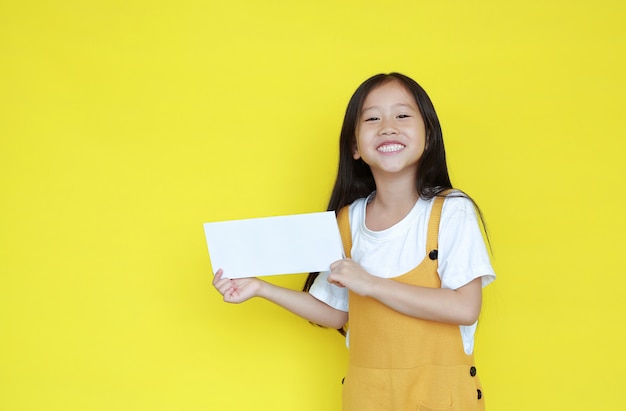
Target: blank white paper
x,y
265,246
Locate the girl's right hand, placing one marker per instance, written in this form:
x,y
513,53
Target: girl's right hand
x,y
236,290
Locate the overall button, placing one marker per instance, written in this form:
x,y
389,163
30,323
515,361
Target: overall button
x,y
480,394
473,371
433,254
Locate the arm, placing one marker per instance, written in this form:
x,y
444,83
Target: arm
x,y
460,306
300,303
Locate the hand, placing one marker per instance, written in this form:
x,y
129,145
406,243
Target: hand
x,y
236,290
349,274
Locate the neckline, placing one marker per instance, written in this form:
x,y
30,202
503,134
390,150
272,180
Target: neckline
x,y
398,228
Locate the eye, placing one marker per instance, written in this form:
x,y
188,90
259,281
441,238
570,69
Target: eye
x,y
404,116
371,118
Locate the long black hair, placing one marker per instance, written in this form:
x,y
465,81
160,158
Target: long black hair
x,y
354,177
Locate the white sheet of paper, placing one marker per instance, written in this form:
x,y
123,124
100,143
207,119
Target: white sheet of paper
x,y
264,246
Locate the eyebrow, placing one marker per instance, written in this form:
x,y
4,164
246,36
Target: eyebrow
x,y
393,106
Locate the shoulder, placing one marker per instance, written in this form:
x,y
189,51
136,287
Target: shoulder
x,y
455,203
459,218
458,204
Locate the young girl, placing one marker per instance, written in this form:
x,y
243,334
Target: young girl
x,y
412,283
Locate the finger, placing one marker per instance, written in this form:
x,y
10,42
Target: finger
x,y
335,266
333,280
225,288
223,285
218,276
340,263
232,296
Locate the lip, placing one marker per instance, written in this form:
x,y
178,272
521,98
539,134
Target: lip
x,y
390,147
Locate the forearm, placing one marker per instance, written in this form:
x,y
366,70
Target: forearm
x,y
461,306
304,305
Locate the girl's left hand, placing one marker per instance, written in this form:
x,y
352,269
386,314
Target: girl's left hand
x,y
349,274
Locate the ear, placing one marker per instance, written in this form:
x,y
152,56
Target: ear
x,y
355,150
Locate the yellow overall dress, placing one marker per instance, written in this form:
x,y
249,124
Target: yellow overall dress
x,y
401,363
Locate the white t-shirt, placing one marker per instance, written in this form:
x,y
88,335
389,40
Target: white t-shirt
x,y
397,250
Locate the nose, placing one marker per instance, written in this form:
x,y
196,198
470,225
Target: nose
x,y
388,127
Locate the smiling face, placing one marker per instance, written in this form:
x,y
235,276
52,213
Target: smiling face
x,y
390,132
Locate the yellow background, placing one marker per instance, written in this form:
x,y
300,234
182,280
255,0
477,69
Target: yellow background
x,y
125,125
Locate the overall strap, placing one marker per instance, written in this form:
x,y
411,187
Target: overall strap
x,y
343,220
432,239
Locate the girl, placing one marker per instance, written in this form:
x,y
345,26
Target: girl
x,y
412,282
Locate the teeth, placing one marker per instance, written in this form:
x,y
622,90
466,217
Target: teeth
x,y
390,147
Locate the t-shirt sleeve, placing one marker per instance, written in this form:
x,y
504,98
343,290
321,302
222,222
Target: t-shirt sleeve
x,y
463,254
334,296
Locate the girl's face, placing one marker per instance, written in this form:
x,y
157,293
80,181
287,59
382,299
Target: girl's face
x,y
390,133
